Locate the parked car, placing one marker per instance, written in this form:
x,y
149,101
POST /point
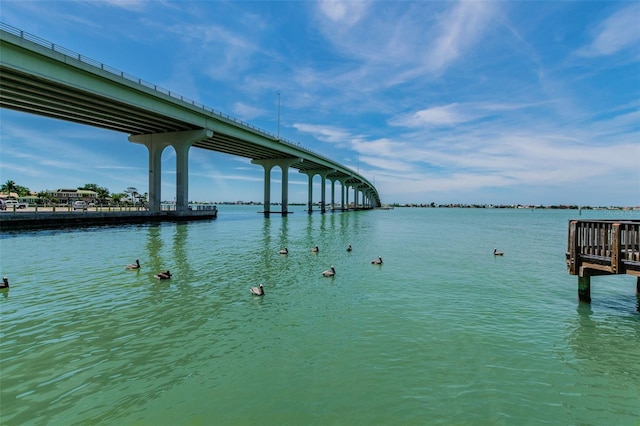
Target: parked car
x,y
16,204
79,205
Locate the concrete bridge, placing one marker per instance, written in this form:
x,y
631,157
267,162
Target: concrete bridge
x,y
41,78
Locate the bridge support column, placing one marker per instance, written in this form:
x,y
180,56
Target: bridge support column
x,y
267,184
155,175
284,164
356,190
345,205
344,188
156,143
323,190
310,175
333,194
323,176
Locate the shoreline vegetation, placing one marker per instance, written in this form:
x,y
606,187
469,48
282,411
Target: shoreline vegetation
x,y
460,205
102,197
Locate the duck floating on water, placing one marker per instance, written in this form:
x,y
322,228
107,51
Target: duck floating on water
x,y
163,275
134,265
497,253
284,251
349,248
315,249
258,291
377,261
5,283
329,272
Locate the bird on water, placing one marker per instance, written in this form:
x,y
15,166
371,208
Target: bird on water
x,y
163,275
284,251
5,283
134,265
377,261
349,248
497,253
258,291
315,249
329,272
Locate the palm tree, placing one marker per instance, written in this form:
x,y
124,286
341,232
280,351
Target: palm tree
x,y
45,197
8,187
118,197
103,194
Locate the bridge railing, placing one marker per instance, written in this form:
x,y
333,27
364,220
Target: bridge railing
x,y
605,245
97,64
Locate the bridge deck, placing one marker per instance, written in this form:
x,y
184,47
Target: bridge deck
x,y
603,247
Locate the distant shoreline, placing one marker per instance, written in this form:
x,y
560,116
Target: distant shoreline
x,y
459,205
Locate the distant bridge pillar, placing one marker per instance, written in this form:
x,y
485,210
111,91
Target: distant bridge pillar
x,y
345,205
323,190
323,176
181,142
284,164
333,193
356,190
344,189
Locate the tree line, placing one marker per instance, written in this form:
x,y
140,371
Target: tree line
x,y
104,196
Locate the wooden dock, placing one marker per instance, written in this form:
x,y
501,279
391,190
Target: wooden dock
x,y
603,247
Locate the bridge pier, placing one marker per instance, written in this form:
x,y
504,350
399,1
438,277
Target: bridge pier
x,y
345,204
284,164
355,197
181,142
323,176
333,192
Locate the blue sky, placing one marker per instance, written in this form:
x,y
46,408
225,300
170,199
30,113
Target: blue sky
x,y
446,102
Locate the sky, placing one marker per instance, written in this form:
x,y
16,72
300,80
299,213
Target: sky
x,y
482,102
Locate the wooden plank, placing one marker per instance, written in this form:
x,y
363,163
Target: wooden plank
x,y
615,247
573,247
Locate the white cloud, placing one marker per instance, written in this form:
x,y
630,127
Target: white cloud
x,y
132,5
247,112
446,115
618,32
324,133
461,28
341,12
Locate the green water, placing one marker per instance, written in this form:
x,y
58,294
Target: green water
x,y
442,333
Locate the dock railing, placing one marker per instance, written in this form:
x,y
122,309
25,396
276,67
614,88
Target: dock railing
x,y
603,247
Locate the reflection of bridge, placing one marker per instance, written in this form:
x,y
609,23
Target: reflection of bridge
x,y
41,78
603,247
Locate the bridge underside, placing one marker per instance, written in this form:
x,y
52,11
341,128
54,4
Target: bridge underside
x,y
36,95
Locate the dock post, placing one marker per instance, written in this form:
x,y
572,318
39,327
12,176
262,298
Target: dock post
x,y
584,288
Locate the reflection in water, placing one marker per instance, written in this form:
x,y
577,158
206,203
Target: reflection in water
x,y
606,343
605,349
179,245
154,247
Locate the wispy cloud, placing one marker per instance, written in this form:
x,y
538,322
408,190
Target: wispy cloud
x,y
617,33
451,98
132,5
247,112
